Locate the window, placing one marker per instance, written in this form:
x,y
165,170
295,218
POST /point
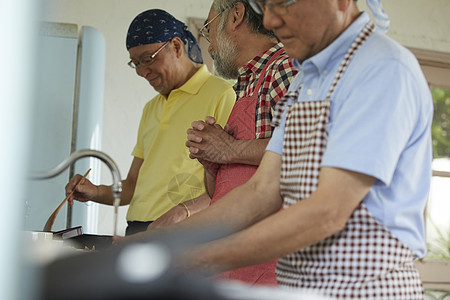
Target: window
x,y
435,267
438,208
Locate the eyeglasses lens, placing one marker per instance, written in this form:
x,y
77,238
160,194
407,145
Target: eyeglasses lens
x,y
278,7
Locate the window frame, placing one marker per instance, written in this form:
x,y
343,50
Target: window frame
x,y
435,274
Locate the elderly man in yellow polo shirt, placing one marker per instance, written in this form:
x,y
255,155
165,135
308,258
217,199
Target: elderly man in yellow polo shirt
x,y
162,177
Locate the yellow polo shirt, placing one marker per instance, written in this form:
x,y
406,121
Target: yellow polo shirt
x,y
168,176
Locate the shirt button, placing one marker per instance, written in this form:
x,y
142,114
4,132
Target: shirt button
x,y
309,92
325,72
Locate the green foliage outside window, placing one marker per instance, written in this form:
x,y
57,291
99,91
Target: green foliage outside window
x,y
439,247
441,123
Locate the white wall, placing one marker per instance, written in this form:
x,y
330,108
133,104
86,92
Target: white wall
x,y
419,24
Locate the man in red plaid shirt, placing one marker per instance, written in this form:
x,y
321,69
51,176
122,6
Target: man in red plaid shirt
x,y
242,49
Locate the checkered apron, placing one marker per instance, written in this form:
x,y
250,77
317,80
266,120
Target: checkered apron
x,y
364,260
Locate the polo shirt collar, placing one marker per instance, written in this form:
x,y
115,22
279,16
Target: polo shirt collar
x,y
193,85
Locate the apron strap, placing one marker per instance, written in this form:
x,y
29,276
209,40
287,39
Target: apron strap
x,y
262,76
281,106
357,43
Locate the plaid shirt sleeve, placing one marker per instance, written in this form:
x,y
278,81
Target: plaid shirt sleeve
x,y
276,83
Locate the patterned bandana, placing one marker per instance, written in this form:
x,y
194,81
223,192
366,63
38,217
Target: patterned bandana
x,y
157,26
381,18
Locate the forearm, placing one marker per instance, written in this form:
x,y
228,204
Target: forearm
x,y
180,212
232,213
248,152
274,237
105,196
197,204
309,221
210,181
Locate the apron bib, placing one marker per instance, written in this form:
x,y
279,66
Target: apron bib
x,y
242,122
229,176
364,260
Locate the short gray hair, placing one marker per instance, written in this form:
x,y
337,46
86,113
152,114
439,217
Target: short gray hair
x,y
254,20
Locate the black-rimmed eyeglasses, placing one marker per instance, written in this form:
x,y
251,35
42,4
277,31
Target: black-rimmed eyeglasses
x,y
277,7
148,59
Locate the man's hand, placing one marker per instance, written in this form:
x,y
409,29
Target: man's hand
x,y
209,142
85,191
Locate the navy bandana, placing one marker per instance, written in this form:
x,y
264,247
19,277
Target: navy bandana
x,y
157,26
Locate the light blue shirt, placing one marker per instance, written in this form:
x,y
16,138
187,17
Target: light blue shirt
x,y
380,120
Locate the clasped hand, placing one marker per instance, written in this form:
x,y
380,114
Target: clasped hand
x,y
210,143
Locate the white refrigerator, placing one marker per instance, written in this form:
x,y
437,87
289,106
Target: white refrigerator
x,y
67,115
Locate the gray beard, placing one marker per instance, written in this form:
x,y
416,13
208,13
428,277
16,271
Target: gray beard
x,y
224,58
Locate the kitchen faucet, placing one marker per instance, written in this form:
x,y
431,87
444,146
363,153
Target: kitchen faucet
x,y
117,182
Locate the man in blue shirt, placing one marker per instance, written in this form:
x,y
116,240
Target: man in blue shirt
x,y
349,160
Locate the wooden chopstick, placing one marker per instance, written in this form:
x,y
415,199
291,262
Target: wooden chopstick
x,y
51,220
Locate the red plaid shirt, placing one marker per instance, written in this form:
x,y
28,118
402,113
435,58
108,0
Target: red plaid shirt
x,y
277,79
